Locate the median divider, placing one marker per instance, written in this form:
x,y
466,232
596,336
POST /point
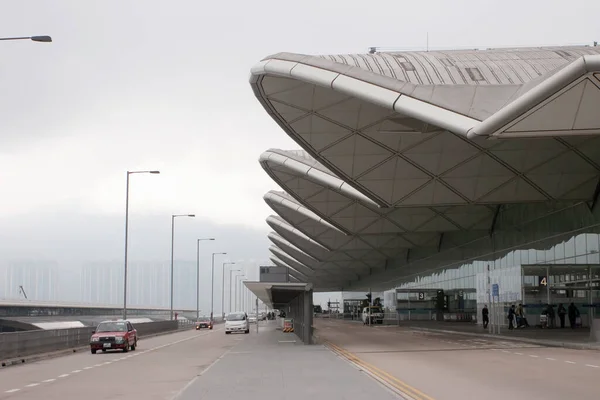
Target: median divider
x,y
27,346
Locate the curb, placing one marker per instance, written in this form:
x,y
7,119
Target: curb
x,y
549,343
55,354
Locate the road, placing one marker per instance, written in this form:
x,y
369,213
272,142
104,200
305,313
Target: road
x,y
158,369
453,367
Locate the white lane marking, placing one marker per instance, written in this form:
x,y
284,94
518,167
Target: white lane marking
x,y
570,362
505,351
550,359
534,356
190,383
592,366
118,359
519,354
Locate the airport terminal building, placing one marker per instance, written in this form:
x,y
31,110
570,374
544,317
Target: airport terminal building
x,y
475,173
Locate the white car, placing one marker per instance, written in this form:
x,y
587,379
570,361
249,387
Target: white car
x,y
237,322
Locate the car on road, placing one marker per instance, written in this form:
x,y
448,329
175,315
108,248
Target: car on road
x,y
114,335
237,322
204,322
372,315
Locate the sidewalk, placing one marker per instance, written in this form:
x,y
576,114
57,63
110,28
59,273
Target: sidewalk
x,y
273,364
567,337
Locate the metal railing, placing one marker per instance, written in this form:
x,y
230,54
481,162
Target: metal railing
x,y
14,345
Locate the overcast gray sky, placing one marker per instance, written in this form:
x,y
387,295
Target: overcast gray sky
x,y
164,85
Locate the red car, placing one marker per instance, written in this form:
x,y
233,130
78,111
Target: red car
x,y
204,322
114,335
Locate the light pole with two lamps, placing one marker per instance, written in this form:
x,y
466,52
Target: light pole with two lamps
x,y
127,236
172,248
198,276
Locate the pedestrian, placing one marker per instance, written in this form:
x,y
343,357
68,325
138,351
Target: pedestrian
x,y
511,317
522,321
551,316
561,315
485,316
573,314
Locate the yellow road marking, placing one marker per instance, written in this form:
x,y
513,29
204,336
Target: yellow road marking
x,y
384,376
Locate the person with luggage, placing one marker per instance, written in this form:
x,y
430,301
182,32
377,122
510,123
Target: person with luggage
x,y
521,320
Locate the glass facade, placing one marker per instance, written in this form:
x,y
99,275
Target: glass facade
x,y
527,243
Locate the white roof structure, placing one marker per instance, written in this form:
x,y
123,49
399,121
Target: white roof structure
x,y
398,148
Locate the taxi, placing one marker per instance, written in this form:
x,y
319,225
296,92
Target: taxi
x,y
114,335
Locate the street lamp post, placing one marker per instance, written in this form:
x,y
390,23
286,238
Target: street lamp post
x,y
45,39
198,275
223,287
172,248
231,286
127,236
212,285
237,290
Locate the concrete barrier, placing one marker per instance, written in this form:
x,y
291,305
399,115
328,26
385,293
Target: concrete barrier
x,y
21,345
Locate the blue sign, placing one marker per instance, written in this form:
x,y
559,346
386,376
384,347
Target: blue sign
x,y
495,290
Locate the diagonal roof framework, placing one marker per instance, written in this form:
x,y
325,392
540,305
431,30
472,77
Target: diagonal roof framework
x,y
399,144
410,128
352,213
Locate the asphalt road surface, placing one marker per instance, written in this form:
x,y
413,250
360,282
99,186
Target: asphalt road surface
x,y
453,367
157,369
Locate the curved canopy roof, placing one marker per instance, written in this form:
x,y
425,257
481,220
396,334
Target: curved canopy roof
x,y
330,199
409,129
397,150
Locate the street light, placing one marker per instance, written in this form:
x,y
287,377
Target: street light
x,y
198,276
231,286
45,39
223,287
172,246
237,290
127,236
212,285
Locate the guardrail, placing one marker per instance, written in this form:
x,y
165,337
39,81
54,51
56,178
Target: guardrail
x,y
15,345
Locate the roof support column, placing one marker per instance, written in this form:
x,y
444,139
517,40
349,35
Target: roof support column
x,y
595,197
494,219
308,316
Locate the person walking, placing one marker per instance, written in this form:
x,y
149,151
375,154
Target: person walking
x,y
551,316
561,315
511,317
521,320
573,314
485,316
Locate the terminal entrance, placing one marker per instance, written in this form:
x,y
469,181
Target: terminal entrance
x,y
436,304
552,284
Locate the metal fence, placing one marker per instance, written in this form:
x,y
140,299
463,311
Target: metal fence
x,y
28,343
